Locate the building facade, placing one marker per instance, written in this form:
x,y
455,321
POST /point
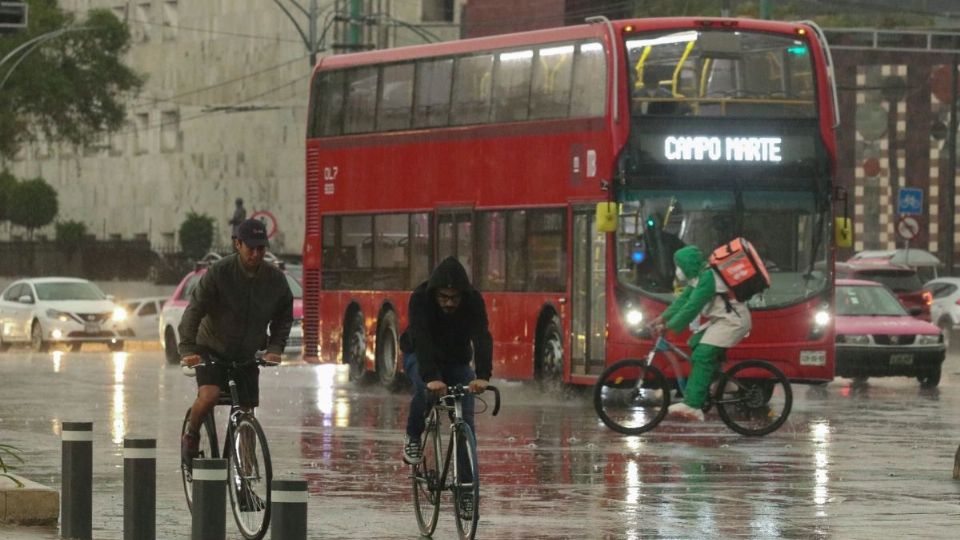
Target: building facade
x,y
222,114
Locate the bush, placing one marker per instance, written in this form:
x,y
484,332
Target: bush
x,y
196,235
7,183
70,235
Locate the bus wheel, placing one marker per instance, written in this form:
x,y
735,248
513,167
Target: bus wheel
x,y
388,349
549,352
355,347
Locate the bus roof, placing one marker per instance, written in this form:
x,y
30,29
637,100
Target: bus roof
x,y
518,39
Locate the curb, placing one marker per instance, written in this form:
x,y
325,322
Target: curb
x,y
32,504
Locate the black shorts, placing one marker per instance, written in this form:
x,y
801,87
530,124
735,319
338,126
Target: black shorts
x,y
247,379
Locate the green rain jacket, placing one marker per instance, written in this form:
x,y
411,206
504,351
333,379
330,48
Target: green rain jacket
x,y
702,296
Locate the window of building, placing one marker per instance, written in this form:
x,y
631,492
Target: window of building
x,y
170,135
436,10
143,132
171,19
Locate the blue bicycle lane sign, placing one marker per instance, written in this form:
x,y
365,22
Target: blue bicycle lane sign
x,y
910,201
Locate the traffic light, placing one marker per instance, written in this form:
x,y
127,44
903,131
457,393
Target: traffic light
x,y
13,16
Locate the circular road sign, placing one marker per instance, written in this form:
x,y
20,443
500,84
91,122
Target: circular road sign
x,y
908,227
268,219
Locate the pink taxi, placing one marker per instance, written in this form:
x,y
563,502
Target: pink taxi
x,y
876,337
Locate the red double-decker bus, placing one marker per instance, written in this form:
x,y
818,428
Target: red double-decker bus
x,y
499,151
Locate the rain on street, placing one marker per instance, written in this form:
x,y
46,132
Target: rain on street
x,y
852,461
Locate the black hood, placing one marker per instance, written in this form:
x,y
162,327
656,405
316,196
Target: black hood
x,y
449,274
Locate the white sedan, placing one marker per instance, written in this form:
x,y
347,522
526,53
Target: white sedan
x,y
945,309
60,310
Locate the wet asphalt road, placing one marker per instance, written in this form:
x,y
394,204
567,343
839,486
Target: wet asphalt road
x,y
851,462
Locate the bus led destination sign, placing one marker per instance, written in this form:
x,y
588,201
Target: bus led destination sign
x,y
713,148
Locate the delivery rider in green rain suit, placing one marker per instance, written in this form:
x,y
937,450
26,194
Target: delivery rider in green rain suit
x,y
728,322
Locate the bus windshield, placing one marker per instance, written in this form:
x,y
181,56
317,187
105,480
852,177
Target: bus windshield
x,y
720,73
786,228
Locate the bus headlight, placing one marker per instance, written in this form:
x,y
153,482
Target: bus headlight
x,y
821,318
634,317
119,314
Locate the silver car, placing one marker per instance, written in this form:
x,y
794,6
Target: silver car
x,y
60,310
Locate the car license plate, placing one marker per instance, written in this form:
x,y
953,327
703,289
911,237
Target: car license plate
x,y
901,360
813,358
91,328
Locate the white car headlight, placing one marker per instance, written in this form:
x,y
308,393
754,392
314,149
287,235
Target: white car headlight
x,y
58,315
854,339
928,339
119,314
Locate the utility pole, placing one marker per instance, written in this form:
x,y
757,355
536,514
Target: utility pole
x,y
951,176
312,43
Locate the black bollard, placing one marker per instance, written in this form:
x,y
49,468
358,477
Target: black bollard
x,y
139,489
288,509
209,499
76,492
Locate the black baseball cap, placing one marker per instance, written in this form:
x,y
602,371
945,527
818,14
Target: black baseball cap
x,y
253,233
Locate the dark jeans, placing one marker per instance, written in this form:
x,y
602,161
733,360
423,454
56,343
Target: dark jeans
x,y
451,374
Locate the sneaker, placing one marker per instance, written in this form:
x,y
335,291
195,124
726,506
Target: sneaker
x,y
411,450
686,411
466,505
249,502
189,448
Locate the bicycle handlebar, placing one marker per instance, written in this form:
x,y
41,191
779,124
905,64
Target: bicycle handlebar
x,y
458,391
213,359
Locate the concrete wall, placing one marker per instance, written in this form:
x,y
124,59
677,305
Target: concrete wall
x,y
222,115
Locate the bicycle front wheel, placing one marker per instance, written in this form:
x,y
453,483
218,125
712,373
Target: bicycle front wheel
x,y
208,449
426,477
631,397
249,474
466,482
754,398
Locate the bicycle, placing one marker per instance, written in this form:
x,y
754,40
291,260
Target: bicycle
x,y
249,471
631,396
429,480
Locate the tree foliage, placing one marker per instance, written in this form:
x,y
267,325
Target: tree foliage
x,y
71,87
7,182
196,235
32,204
70,235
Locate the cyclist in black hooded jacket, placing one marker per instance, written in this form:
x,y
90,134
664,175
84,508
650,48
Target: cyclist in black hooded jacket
x,y
447,328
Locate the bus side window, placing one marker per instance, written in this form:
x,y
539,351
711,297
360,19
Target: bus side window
x,y
471,90
432,98
589,81
550,87
511,91
361,104
396,98
328,108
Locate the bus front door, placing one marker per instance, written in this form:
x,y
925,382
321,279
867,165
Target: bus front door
x,y
588,297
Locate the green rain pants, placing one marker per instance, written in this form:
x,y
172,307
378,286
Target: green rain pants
x,y
703,359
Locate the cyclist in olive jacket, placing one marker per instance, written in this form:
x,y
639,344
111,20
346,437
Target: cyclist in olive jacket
x,y
228,315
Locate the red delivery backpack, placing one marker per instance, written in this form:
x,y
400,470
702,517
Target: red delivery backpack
x,y
740,268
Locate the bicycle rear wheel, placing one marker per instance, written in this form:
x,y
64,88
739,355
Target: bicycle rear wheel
x,y
466,482
631,397
208,449
426,477
249,473
754,398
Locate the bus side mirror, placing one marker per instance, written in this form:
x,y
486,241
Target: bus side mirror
x,y
607,213
843,232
